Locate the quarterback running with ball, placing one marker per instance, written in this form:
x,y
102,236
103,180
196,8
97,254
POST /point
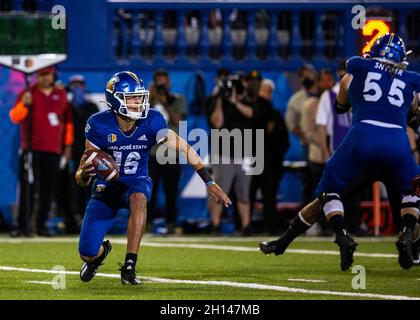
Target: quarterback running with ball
x,y
126,132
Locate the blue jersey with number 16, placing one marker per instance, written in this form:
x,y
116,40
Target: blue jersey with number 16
x,y
130,150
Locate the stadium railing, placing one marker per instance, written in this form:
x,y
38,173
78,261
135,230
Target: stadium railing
x,y
282,36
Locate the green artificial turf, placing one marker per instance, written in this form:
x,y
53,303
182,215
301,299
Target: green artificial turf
x,y
383,274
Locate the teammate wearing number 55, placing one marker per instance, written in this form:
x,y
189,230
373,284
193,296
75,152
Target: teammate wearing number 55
x,y
383,98
127,132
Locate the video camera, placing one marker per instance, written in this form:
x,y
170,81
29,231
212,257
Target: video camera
x,y
226,83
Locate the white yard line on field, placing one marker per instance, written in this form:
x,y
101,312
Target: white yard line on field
x,y
248,249
307,280
229,284
303,238
42,282
199,246
39,240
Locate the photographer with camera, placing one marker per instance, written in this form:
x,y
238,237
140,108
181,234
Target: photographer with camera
x,y
229,109
276,143
173,107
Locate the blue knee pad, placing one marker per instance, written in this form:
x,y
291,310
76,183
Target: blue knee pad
x,y
97,221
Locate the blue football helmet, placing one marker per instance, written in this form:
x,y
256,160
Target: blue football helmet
x,y
126,84
389,48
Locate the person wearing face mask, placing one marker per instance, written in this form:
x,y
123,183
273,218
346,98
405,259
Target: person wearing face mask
x,y
82,109
307,75
71,199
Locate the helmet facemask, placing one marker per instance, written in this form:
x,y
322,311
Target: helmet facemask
x,y
133,105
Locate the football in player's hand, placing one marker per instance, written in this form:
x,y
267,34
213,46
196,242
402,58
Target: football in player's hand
x,y
105,166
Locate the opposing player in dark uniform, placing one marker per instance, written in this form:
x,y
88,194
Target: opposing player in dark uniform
x,y
127,132
381,93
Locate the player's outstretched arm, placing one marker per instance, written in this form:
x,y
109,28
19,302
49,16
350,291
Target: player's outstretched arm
x,y
85,172
174,142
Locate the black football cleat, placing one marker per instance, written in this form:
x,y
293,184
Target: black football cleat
x,y
416,252
347,247
405,249
276,246
128,275
89,269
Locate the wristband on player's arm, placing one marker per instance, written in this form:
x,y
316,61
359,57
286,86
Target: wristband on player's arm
x,y
340,108
205,176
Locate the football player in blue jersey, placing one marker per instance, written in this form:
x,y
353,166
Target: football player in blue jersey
x,y
381,93
126,131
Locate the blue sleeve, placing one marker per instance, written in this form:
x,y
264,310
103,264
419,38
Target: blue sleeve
x,y
354,64
159,127
91,132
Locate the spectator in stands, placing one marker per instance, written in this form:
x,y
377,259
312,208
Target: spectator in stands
x,y
316,162
226,111
307,75
173,108
332,127
51,136
72,199
276,143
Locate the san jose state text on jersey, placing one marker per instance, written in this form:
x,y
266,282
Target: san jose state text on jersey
x,y
130,150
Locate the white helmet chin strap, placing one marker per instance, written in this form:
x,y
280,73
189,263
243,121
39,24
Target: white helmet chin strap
x,y
134,115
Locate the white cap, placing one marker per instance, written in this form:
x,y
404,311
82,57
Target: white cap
x,y
268,82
